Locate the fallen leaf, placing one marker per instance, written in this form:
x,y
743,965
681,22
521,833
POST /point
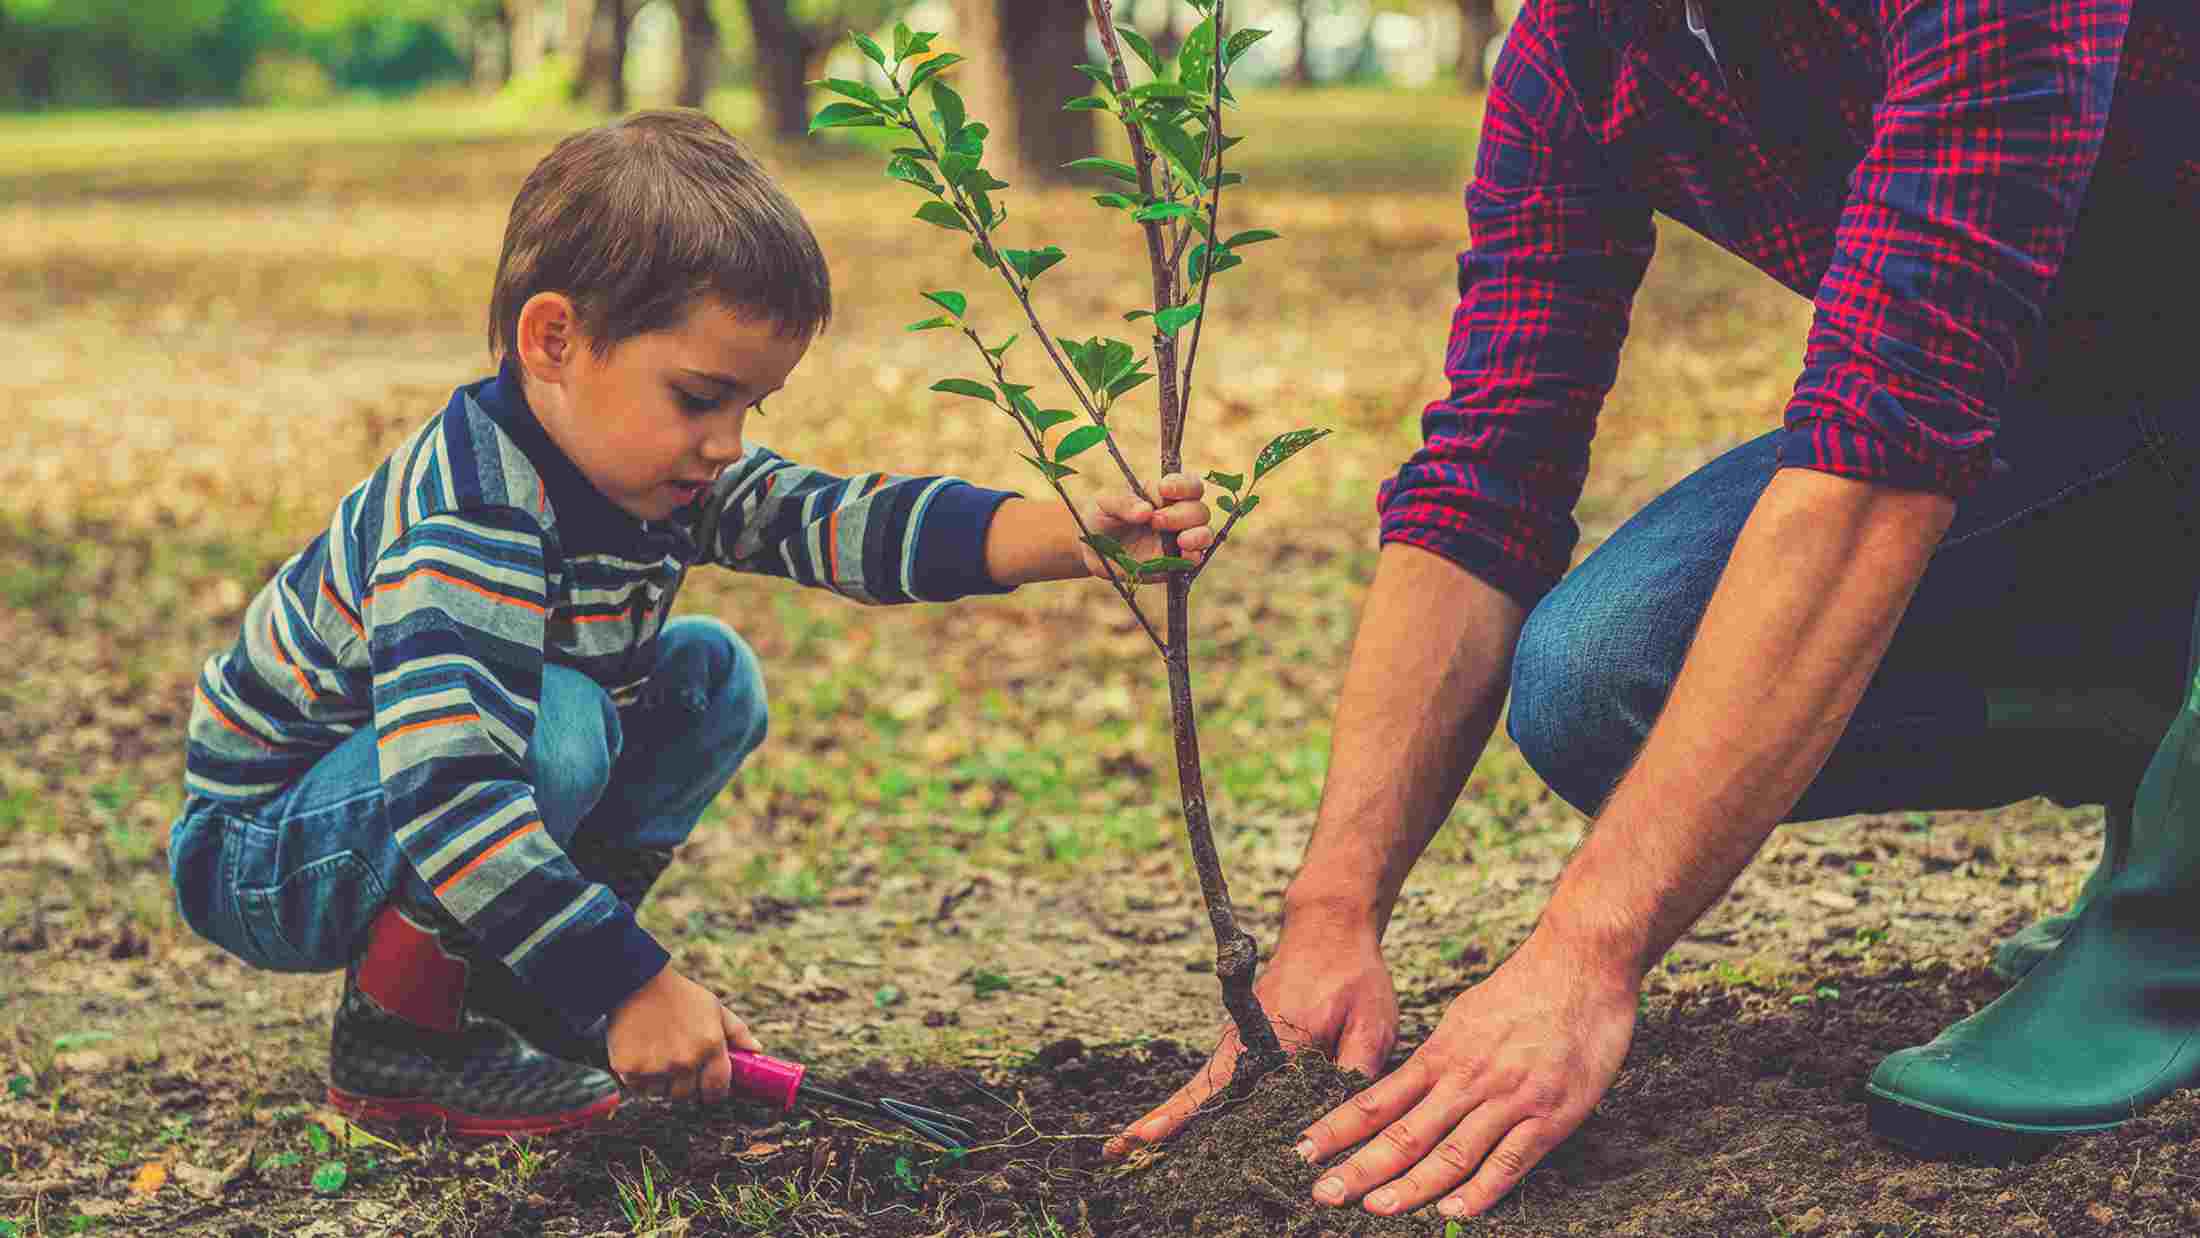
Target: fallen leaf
x,y
151,1176
349,1131
1833,900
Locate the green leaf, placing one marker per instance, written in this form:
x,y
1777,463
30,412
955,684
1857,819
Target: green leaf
x,y
1253,237
982,206
1117,359
1166,563
1178,146
887,995
1117,201
1226,180
1240,42
964,386
932,68
1135,315
915,153
331,1177
1054,472
870,48
942,214
1046,419
1232,482
10,1229
1128,383
1164,210
969,140
1171,321
903,168
1224,260
1283,448
1079,440
1032,263
953,302
319,1139
1195,61
1113,552
1019,399
984,254
847,116
1245,508
1226,503
1144,48
20,1086
902,37
1084,360
1160,90
1101,74
1109,167
920,42
1003,347
951,113
1088,103
77,1040
931,324
859,91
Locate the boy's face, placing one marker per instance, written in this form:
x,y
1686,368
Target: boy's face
x,y
653,421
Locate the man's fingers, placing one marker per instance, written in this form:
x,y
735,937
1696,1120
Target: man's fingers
x,y
738,1035
1360,1117
1459,1153
1364,1047
717,1080
1398,1142
1520,1151
1168,1117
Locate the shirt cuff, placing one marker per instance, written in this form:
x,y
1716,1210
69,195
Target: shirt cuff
x,y
587,972
950,553
1828,442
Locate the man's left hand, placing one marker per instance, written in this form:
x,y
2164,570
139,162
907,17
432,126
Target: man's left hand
x,y
1515,1066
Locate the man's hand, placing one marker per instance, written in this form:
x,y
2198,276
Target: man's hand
x,y
1131,521
670,1040
1516,1065
1328,988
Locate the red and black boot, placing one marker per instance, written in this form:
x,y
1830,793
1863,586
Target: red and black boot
x,y
409,1045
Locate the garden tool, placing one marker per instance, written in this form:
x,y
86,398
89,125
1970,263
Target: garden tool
x,y
2103,1026
780,1084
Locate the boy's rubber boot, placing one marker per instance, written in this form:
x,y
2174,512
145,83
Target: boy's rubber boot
x,y
2105,1025
2021,951
499,994
406,1046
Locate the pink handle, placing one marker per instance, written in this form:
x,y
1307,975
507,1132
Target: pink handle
x,y
766,1080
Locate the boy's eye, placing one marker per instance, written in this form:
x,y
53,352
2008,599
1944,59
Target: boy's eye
x,y
696,403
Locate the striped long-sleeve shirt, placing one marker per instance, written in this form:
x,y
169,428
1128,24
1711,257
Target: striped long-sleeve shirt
x,y
475,555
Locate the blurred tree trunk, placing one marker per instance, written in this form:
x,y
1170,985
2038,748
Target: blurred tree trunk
x,y
784,50
1302,69
699,52
596,39
1477,26
1027,53
523,23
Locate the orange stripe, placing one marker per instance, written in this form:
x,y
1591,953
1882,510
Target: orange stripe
x,y
615,615
483,858
225,720
284,654
341,609
447,578
415,726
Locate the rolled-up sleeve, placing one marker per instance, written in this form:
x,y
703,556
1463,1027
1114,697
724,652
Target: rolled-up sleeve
x,y
1558,249
1954,234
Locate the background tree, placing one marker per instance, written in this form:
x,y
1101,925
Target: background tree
x,y
790,38
1478,24
700,52
1038,45
596,37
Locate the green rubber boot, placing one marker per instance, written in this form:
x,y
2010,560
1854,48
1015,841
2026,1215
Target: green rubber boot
x,y
2105,1025
2022,950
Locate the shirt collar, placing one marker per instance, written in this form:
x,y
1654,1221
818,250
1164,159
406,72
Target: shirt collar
x,y
583,513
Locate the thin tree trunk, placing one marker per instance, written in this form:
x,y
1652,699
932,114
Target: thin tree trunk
x,y
783,53
1037,44
622,24
699,50
1477,26
1302,69
523,26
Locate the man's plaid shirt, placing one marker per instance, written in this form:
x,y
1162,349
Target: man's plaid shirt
x,y
1966,189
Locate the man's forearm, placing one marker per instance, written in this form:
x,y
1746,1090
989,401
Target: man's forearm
x,y
1801,619
1421,694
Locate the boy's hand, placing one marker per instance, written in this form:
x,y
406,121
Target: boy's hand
x,y
1139,527
671,1037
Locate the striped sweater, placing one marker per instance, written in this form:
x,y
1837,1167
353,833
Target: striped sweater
x,y
474,555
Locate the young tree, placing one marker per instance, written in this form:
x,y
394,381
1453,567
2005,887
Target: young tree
x,y
1037,43
1171,191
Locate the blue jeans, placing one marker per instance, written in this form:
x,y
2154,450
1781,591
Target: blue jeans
x,y
292,884
2044,653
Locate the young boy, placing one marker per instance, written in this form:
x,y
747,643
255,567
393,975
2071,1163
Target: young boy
x,y
458,739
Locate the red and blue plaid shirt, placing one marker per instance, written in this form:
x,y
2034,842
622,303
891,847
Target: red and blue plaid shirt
x,y
1967,190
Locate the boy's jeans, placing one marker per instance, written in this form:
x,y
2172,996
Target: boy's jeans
x,y
293,884
2043,654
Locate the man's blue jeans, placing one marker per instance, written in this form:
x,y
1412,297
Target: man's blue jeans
x,y
2044,653
293,884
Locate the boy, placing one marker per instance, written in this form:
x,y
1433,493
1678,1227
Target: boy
x,y
458,740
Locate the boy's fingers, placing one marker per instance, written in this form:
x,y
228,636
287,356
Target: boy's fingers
x,y
717,1080
1124,507
738,1034
1182,486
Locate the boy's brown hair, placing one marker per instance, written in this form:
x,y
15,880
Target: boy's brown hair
x,y
636,219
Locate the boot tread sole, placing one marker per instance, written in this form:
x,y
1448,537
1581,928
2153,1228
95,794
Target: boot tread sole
x,y
459,1122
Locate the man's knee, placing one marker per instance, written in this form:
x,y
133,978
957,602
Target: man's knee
x,y
577,739
1584,692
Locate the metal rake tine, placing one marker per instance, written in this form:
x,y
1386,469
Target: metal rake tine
x,y
946,1138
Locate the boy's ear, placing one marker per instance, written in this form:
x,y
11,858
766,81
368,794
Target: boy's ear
x,y
549,335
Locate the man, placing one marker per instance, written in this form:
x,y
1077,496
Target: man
x,y
1960,576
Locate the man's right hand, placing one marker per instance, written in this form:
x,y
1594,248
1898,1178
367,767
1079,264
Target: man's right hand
x,y
1326,987
670,1040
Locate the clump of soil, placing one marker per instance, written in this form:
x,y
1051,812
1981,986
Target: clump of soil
x,y
1231,1172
